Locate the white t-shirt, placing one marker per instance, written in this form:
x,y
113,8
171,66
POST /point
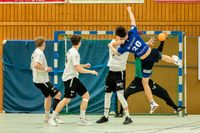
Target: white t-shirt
x,y
72,59
39,76
117,62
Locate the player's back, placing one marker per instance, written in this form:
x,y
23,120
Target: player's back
x,y
72,59
134,44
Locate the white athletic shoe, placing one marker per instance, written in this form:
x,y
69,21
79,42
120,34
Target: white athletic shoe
x,y
84,122
52,122
177,60
58,120
153,107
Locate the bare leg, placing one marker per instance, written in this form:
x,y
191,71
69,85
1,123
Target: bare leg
x,y
145,82
84,104
47,105
58,95
61,104
168,59
153,104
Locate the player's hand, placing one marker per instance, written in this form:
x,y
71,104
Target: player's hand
x,y
114,50
94,72
48,69
87,65
129,8
151,41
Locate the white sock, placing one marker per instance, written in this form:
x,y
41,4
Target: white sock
x,y
106,112
47,112
107,104
127,113
152,102
54,114
82,114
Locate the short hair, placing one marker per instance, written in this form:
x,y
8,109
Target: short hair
x,y
75,39
120,31
39,41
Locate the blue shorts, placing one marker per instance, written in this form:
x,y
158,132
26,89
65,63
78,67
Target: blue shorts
x,y
147,63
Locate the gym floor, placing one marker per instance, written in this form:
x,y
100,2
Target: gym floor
x,y
34,123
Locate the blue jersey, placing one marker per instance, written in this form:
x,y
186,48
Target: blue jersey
x,y
134,44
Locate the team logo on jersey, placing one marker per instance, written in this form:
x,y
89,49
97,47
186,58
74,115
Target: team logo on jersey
x,y
120,85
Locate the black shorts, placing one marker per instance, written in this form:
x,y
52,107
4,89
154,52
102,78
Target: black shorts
x,y
115,81
147,63
74,86
47,89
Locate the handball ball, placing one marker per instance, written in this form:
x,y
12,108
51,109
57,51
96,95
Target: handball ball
x,y
162,36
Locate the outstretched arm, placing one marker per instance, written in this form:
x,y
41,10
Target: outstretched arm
x,y
80,69
151,41
131,16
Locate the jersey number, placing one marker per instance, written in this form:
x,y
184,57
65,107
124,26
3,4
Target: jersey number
x,y
138,44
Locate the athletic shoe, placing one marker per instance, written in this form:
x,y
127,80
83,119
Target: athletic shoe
x,y
118,115
102,120
127,121
84,122
52,122
58,120
177,60
178,109
153,107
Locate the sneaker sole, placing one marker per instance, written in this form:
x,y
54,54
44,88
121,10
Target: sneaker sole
x,y
128,123
151,112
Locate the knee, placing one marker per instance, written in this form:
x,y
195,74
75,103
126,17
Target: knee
x,y
65,101
86,96
122,99
48,98
120,94
144,81
58,95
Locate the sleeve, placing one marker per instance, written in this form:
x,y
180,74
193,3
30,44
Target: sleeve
x,y
133,29
121,50
75,59
39,58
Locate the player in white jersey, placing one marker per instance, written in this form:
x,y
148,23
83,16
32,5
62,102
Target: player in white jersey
x,y
71,82
115,82
40,71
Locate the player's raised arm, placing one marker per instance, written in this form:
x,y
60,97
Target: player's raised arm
x,y
132,18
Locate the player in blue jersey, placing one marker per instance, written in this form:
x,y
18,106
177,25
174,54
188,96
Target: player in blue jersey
x,y
132,42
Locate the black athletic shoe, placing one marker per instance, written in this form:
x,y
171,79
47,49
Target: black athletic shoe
x,y
127,121
178,109
118,115
102,120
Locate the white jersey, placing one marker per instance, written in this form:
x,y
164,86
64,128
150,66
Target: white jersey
x,y
72,59
39,76
117,62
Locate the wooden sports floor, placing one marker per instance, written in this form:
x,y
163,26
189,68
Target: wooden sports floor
x,y
34,123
